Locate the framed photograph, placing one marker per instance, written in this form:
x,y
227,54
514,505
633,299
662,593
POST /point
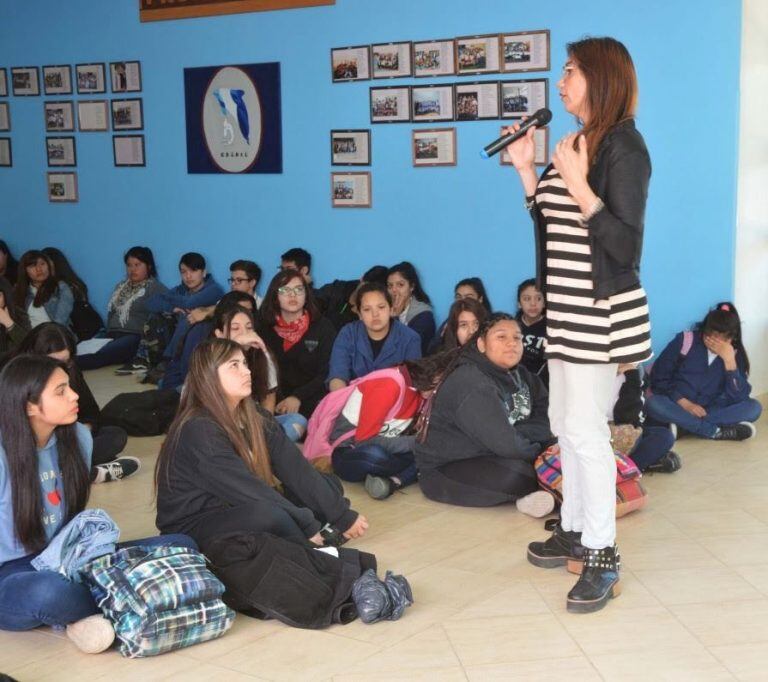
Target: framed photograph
x,y
391,60
351,190
59,116
477,101
477,54
3,82
90,78
25,81
434,147
61,151
127,114
125,76
62,186
390,104
432,103
540,140
433,58
6,155
92,116
5,117
525,51
350,63
350,147
57,80
128,150
523,97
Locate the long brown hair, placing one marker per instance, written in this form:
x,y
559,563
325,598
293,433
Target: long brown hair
x,y
611,86
46,290
203,396
463,305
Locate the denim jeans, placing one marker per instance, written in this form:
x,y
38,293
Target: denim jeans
x,y
294,425
30,598
118,351
664,410
377,456
655,442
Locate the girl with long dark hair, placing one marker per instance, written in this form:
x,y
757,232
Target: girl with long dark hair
x,y
464,319
40,292
410,303
14,322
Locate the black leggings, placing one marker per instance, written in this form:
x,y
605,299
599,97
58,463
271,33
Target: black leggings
x,y
479,482
108,443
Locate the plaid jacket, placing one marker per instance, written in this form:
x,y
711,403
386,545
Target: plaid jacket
x,y
158,599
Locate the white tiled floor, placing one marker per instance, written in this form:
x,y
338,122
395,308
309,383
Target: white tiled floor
x,y
694,605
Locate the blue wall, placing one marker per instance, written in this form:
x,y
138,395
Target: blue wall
x,y
452,222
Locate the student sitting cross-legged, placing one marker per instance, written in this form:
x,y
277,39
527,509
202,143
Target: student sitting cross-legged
x,y
227,466
410,303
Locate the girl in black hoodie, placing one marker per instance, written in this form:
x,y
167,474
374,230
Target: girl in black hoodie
x,y
487,425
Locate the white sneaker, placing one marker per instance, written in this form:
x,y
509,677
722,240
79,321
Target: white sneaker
x,y
92,635
536,504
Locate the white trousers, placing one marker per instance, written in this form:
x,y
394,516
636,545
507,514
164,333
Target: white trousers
x,y
579,399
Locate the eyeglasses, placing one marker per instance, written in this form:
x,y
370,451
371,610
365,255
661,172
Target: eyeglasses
x,y
238,280
291,291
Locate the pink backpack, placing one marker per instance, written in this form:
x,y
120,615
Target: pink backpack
x,y
684,350
321,422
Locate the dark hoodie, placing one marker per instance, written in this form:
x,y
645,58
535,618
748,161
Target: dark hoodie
x,y
483,410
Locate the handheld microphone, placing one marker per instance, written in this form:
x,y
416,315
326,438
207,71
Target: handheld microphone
x,y
540,118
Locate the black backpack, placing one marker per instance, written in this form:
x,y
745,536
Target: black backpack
x,y
86,322
145,413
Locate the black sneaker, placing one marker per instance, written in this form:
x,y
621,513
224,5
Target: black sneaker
x,y
117,470
131,368
740,431
668,464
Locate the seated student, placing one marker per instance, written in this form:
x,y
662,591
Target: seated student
x,y
376,341
464,319
298,259
14,322
40,292
219,467
468,288
300,340
488,423
44,460
699,382
244,276
337,299
533,324
66,273
652,446
197,289
373,429
58,342
127,310
410,304
9,266
178,366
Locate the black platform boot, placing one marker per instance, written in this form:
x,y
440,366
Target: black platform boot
x,y
561,548
599,581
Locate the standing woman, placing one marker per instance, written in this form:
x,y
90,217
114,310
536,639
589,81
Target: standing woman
x,y
588,210
44,296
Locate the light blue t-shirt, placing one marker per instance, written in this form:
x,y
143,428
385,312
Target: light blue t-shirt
x,y
52,491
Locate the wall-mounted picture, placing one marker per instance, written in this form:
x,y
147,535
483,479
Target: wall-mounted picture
x,y
61,151
128,150
541,143
5,117
434,147
526,51
477,54
350,147
59,116
390,105
6,155
432,103
125,76
90,78
351,190
62,186
92,116
57,80
477,101
433,58
3,82
391,60
522,97
127,114
350,63
25,81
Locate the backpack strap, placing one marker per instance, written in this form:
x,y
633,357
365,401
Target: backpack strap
x,y
687,343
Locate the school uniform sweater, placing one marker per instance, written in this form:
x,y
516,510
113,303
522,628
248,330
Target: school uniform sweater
x,y
694,377
419,317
